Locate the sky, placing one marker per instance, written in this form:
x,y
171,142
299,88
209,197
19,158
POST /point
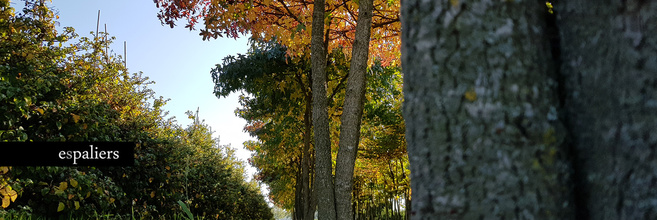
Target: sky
x,y
177,59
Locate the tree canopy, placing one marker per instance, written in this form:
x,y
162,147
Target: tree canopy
x,y
289,22
276,118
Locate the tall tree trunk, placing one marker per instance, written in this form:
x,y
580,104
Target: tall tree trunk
x,y
482,128
323,159
352,112
610,73
307,172
297,213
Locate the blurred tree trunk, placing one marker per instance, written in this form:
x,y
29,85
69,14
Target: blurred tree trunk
x,y
483,100
610,74
482,127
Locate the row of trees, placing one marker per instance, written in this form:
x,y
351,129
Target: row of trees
x,y
310,30
276,103
52,90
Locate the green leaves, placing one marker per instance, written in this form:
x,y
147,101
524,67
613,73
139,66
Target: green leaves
x,y
52,92
61,207
188,214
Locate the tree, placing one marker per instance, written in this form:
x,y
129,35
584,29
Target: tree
x,y
289,22
487,87
268,19
609,92
353,113
278,119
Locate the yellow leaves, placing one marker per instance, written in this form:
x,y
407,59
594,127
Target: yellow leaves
x,y
77,205
550,7
111,200
5,202
150,180
471,95
167,168
60,189
74,183
40,110
63,186
454,3
8,196
295,95
281,85
61,207
76,118
152,194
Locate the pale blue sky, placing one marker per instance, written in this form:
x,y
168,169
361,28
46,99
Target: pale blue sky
x,y
178,60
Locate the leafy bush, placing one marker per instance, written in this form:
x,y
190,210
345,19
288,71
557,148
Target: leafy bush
x,y
53,91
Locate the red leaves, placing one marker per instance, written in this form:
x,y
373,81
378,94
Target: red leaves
x,y
280,19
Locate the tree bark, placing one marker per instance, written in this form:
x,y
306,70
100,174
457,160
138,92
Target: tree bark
x,y
609,53
310,200
482,127
323,159
297,213
352,113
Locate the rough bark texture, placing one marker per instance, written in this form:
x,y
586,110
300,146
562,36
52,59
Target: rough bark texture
x,y
352,113
305,199
482,126
323,160
609,54
308,163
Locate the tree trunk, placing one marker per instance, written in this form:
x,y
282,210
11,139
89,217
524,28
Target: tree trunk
x,y
352,113
323,159
482,128
609,53
310,201
297,213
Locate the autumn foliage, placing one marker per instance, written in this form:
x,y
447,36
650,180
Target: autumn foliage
x,y
288,21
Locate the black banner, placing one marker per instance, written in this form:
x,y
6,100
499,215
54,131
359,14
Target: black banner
x,y
67,153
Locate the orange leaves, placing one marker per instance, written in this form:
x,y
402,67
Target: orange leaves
x,y
281,19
